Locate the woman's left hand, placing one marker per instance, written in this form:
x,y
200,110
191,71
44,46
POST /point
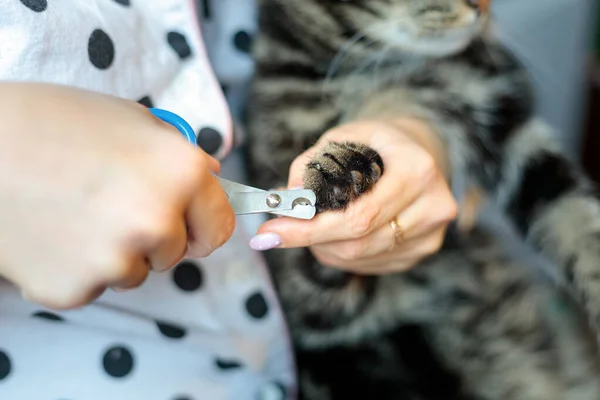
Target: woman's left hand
x,y
391,228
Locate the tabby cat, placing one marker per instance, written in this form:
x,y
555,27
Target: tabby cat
x,y
470,322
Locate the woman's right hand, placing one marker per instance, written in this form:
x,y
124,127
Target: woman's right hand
x,y
95,191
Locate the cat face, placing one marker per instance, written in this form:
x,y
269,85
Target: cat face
x,y
420,27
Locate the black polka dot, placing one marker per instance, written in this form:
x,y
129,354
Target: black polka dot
x,y
256,305
48,315
101,49
118,361
209,140
35,5
5,365
227,364
224,89
187,276
180,44
125,3
242,41
170,330
146,101
182,398
206,9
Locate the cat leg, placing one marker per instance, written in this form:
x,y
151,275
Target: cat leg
x,y
555,208
398,364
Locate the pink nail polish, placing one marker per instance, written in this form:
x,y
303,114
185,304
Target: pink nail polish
x,y
265,241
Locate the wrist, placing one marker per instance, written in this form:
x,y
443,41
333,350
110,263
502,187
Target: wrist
x,y
425,136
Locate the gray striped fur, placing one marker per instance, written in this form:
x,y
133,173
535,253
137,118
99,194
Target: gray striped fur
x,y
487,317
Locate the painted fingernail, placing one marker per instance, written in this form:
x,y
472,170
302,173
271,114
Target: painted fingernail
x,y
265,241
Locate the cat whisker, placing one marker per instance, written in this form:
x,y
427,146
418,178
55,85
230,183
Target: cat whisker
x,y
343,53
360,69
379,63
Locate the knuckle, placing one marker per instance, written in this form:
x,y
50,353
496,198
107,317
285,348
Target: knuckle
x,y
353,250
139,279
116,269
198,164
223,234
227,231
452,210
448,211
151,227
325,258
434,244
427,169
193,169
364,220
113,265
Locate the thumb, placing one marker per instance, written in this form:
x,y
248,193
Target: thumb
x,y
213,164
296,175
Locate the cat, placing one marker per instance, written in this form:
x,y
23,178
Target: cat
x,y
471,321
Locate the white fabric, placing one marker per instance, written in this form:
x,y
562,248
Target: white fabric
x,y
159,342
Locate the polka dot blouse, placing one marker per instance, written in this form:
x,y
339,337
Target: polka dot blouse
x,y
207,329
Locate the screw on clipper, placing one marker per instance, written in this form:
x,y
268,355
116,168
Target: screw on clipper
x,y
273,200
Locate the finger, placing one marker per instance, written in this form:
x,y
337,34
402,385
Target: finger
x,y
171,248
210,218
428,209
416,221
297,168
409,170
133,277
400,258
400,185
213,164
429,213
357,221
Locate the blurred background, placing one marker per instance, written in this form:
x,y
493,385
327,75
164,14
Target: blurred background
x,y
556,40
559,41
591,143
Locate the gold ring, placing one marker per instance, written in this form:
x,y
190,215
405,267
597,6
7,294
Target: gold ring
x,y
398,232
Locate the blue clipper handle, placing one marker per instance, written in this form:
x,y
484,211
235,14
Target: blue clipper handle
x,y
178,122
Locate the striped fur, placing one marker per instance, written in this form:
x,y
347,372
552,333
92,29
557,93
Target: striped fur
x,y
469,322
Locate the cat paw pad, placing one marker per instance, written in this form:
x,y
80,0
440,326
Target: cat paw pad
x,y
340,173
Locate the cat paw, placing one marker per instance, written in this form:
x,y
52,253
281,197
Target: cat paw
x,y
340,173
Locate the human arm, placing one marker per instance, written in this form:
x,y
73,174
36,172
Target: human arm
x,y
95,192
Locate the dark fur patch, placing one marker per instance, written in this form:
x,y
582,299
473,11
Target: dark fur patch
x,y
511,110
290,70
546,178
406,373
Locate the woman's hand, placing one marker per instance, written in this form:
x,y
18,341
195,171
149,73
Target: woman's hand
x,y
95,192
392,227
